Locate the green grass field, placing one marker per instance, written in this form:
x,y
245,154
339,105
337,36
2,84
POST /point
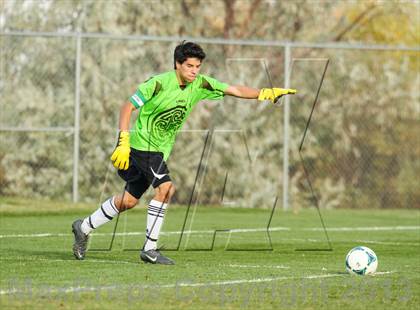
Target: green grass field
x,y
239,270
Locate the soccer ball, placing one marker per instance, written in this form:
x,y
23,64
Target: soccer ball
x,y
361,260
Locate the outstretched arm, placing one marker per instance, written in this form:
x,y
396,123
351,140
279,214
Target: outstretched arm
x,y
242,92
272,94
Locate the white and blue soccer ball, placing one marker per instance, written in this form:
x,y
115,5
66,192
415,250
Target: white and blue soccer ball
x,y
361,260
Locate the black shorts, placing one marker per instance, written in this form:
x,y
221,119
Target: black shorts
x,y
145,169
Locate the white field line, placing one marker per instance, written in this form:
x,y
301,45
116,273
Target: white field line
x,y
367,228
141,233
184,284
389,242
138,233
348,240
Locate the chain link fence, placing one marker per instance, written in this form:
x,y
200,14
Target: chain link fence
x,y
60,99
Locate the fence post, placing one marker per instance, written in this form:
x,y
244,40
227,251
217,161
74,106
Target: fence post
x,y
76,141
286,120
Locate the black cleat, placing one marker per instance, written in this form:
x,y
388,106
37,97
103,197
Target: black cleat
x,y
80,240
155,257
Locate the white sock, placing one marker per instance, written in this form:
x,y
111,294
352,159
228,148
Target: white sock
x,y
155,215
105,213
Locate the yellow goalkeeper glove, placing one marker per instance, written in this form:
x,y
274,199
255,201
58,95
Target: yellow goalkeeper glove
x,y
274,94
121,155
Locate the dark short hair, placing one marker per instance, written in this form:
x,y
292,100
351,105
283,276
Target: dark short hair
x,y
188,50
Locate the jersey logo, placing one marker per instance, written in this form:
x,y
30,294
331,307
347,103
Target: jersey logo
x,y
159,176
166,124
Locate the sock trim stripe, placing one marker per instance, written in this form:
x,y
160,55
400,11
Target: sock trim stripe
x,y
157,207
156,215
157,210
151,239
106,215
90,223
112,204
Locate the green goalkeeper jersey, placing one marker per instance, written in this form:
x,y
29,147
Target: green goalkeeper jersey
x,y
164,106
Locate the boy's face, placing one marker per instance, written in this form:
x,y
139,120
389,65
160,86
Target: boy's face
x,y
189,69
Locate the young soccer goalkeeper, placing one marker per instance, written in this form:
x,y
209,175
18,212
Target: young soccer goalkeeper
x,y
164,102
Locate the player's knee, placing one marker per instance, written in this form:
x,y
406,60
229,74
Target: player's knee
x,y
126,202
129,203
165,191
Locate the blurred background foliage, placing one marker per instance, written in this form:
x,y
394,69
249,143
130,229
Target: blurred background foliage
x,y
362,149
